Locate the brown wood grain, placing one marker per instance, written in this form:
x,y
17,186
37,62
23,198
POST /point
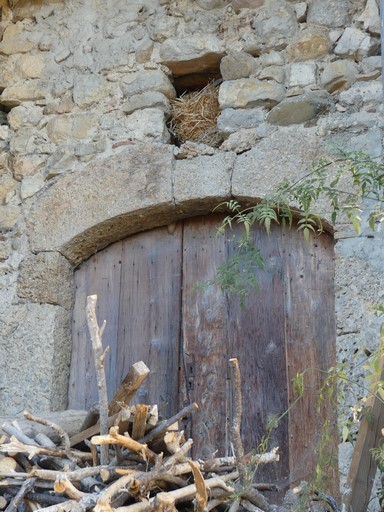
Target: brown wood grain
x,y
150,314
131,383
205,337
310,347
100,275
257,335
363,466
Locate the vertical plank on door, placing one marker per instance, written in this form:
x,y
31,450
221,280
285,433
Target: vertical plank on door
x,y
99,275
310,340
149,314
258,339
205,336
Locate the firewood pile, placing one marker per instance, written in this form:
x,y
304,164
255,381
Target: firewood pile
x,y
147,467
120,457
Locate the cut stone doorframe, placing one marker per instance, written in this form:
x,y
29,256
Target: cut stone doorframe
x,y
137,189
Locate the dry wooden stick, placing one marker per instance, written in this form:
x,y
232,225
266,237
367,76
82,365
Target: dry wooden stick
x,y
24,489
64,485
91,431
11,430
255,497
236,423
139,421
74,476
115,438
164,425
15,446
127,389
235,505
179,455
173,440
163,503
70,506
44,440
56,428
201,490
96,333
39,497
212,465
183,494
103,503
250,507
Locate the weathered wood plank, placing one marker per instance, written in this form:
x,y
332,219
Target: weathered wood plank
x,y
149,314
257,338
310,344
205,337
363,465
99,275
152,307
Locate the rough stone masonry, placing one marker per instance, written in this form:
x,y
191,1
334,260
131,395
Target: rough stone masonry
x,y
87,157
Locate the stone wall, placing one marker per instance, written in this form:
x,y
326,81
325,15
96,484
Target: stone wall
x,y
87,157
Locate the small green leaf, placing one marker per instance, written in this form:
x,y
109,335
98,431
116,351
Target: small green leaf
x,y
345,433
356,225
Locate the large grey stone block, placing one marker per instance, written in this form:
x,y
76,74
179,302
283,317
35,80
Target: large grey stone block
x,y
250,92
286,153
196,53
46,278
233,119
111,198
300,109
204,180
35,346
329,12
148,80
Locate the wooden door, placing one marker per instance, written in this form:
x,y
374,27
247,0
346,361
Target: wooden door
x,y
146,287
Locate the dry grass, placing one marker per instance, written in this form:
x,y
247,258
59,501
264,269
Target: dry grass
x,y
194,116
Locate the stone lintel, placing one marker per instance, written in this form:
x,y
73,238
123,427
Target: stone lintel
x,y
74,215
143,187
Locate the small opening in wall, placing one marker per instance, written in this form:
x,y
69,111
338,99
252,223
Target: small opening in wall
x,y
196,81
194,114
3,114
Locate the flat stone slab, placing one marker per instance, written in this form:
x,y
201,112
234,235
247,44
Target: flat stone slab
x,y
110,199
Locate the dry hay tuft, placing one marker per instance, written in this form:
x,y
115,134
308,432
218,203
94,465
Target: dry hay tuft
x,y
194,115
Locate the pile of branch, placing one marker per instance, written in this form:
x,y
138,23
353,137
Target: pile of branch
x,y
147,467
122,458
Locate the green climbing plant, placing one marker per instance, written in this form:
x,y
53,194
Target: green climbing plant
x,y
349,186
